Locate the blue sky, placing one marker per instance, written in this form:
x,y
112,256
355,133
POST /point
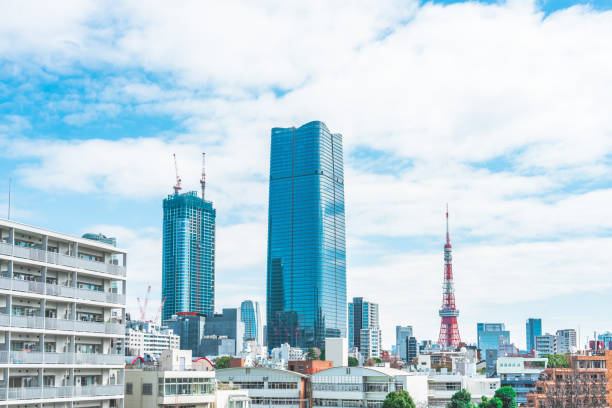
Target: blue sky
x,y
500,109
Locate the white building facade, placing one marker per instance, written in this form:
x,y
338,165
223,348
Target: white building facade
x,y
365,387
441,388
148,338
62,311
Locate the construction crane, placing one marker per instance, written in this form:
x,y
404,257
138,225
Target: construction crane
x,y
177,186
159,310
143,309
203,179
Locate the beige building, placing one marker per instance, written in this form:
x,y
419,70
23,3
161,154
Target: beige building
x,y
176,382
62,308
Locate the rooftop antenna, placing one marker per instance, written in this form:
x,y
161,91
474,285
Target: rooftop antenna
x,y
447,234
9,200
177,186
203,179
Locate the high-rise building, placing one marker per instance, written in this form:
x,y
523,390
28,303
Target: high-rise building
x,y
401,334
491,335
412,348
546,344
566,341
188,258
533,328
449,329
306,282
60,319
251,316
362,315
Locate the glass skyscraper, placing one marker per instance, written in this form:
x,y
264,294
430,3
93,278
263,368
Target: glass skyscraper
x,y
533,328
188,259
251,316
306,285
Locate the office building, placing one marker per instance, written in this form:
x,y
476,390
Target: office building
x,y
546,344
566,341
521,374
147,339
306,277
533,328
412,349
178,382
365,386
491,335
188,255
362,315
251,317
60,319
268,387
401,334
587,382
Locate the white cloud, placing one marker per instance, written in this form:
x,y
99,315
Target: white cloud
x,y
444,90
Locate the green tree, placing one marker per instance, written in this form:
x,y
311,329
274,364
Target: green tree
x,y
377,360
353,362
507,395
398,399
557,361
322,355
490,403
311,354
461,399
222,362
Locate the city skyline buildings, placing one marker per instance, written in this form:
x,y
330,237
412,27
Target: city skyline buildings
x,y
306,260
188,253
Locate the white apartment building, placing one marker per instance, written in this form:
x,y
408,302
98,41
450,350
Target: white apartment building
x,y
365,387
62,308
441,388
286,353
371,343
566,341
148,338
177,382
267,387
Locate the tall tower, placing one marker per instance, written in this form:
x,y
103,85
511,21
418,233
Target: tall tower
x,y
188,254
449,330
306,283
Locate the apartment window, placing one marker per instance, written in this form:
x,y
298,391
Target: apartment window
x,y
147,389
128,388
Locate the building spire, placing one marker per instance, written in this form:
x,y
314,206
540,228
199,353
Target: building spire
x,y
447,234
203,178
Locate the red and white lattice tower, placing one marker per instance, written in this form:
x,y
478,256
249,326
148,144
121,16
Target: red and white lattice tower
x,y
449,330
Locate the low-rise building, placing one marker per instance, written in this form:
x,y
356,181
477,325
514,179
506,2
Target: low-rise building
x,y
586,382
441,388
309,367
285,353
365,387
521,374
175,382
267,387
148,338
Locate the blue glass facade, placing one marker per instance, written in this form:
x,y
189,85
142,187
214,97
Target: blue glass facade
x,y
251,317
188,259
533,328
306,282
491,335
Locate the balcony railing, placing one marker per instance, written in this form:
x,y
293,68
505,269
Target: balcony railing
x,y
58,290
34,357
35,322
60,259
29,393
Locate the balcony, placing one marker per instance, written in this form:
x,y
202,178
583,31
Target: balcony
x,y
60,259
30,393
35,322
58,290
33,357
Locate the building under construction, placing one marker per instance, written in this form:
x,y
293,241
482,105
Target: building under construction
x,y
586,383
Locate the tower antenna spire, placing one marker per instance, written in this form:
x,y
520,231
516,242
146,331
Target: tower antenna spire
x,y
177,186
203,179
449,330
447,234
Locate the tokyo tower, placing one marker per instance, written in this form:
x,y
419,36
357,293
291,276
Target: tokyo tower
x,y
449,330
